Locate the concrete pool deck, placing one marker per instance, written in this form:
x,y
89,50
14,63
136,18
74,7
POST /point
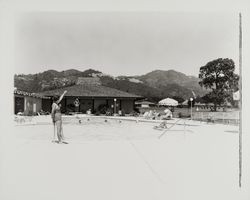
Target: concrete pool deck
x,y
121,161
24,120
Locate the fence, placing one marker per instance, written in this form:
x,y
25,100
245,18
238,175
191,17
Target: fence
x,y
231,117
225,117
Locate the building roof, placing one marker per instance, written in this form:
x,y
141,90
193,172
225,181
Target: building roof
x,y
90,90
185,103
200,104
144,103
29,94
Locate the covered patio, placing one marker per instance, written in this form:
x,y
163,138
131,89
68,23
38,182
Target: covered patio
x,y
92,97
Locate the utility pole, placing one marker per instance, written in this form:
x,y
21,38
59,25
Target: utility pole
x,y
240,101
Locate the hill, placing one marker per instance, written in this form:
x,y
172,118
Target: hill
x,y
172,79
155,85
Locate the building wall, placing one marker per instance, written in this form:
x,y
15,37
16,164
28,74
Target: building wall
x,y
46,105
28,105
99,102
70,106
32,105
127,106
110,102
18,104
85,105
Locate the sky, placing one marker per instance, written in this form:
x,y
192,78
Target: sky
x,y
124,43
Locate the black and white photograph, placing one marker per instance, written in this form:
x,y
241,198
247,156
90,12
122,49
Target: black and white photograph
x,y
124,103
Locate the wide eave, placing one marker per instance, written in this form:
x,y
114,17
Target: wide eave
x,y
91,91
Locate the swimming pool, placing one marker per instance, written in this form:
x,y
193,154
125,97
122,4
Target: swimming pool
x,y
100,128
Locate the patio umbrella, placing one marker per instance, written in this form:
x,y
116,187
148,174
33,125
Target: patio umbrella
x,y
168,102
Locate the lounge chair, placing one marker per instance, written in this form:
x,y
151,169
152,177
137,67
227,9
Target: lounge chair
x,y
161,126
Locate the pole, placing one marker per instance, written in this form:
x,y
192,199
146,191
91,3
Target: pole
x,y
191,102
114,106
240,101
191,110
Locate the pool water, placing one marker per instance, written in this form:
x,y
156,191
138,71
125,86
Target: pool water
x,y
102,128
92,128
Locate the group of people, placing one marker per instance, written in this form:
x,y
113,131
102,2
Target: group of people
x,y
152,114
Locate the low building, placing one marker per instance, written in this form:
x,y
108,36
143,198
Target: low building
x,y
28,103
89,94
185,103
144,104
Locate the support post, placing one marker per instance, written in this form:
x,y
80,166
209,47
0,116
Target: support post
x,y
240,101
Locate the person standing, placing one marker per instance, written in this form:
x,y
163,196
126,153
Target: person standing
x,y
56,116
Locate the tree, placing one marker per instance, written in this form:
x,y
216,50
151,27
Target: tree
x,y
178,98
200,99
218,76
